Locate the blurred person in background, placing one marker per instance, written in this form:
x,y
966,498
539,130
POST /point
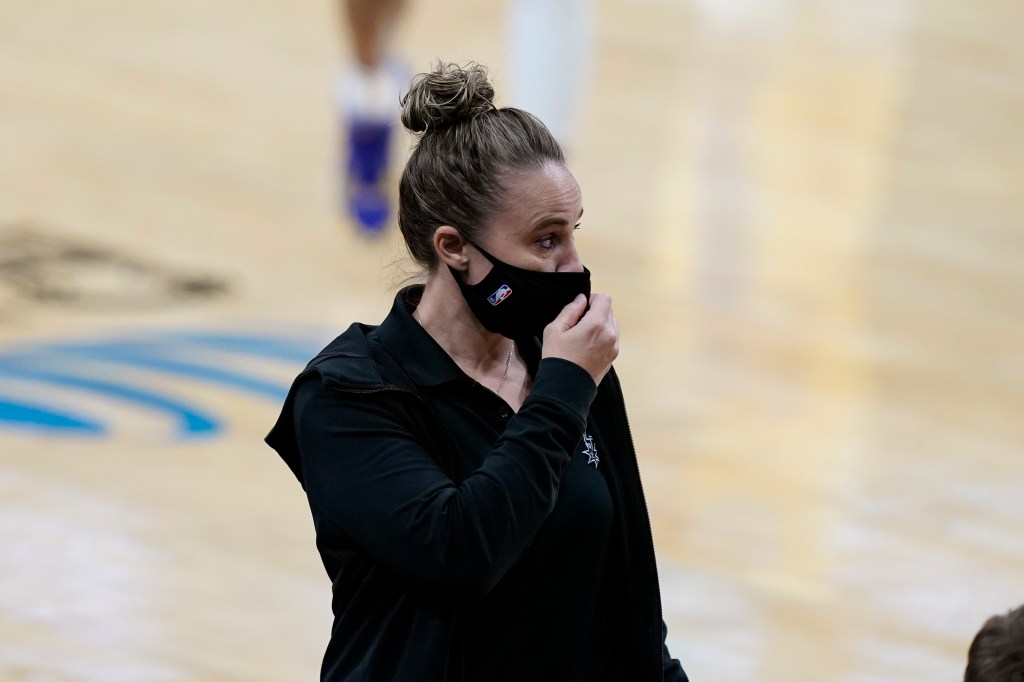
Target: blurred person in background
x,y
997,652
367,92
549,47
468,463
550,43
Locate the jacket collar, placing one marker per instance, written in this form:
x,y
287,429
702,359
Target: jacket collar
x,y
423,359
426,363
354,360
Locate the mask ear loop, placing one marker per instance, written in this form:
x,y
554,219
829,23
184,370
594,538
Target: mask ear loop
x,y
488,256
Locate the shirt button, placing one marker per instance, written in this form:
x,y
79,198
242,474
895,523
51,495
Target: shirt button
x,y
503,412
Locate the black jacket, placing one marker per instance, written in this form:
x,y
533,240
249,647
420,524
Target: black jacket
x,y
404,558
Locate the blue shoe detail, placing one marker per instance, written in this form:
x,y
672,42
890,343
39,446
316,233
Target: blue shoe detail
x,y
369,145
370,206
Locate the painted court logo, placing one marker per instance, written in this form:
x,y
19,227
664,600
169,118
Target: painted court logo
x,y
97,386
500,295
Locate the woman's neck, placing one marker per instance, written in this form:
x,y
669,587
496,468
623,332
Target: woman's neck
x,y
446,316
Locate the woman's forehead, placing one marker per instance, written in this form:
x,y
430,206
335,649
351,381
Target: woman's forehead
x,y
531,195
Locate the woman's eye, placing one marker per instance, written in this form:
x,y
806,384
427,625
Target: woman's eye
x,y
547,242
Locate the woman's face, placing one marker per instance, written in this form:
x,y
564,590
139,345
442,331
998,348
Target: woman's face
x,y
535,228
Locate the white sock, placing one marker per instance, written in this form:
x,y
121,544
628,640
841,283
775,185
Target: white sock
x,y
369,93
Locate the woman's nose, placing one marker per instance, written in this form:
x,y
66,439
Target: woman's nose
x,y
570,261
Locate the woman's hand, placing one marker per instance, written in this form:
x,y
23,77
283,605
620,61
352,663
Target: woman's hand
x,y
589,338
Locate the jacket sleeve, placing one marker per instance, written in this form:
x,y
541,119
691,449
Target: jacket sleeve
x,y
368,477
673,669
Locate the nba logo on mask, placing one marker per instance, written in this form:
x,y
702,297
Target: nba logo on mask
x,y
500,295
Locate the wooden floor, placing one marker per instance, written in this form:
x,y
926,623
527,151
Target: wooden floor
x,y
809,214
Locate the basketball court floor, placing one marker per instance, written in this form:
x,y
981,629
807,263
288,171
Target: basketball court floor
x,y
809,213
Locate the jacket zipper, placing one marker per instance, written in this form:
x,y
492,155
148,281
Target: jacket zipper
x,y
650,533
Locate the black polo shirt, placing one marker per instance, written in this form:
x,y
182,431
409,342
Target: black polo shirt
x,y
427,561
542,621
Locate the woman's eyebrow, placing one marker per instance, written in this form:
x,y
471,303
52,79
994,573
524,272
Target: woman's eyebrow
x,y
553,220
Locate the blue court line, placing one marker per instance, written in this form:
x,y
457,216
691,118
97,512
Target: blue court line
x,y
132,355
72,364
190,421
37,416
286,349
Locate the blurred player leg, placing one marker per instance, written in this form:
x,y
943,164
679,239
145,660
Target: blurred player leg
x,y
367,92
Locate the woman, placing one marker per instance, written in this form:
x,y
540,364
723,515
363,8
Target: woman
x,y
474,490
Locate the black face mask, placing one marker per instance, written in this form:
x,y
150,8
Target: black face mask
x,y
518,303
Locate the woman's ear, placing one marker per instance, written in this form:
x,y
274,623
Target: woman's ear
x,y
450,246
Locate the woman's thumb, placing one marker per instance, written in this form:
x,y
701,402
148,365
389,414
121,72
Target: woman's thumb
x,y
571,313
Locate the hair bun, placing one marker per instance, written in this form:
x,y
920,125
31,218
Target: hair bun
x,y
446,95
